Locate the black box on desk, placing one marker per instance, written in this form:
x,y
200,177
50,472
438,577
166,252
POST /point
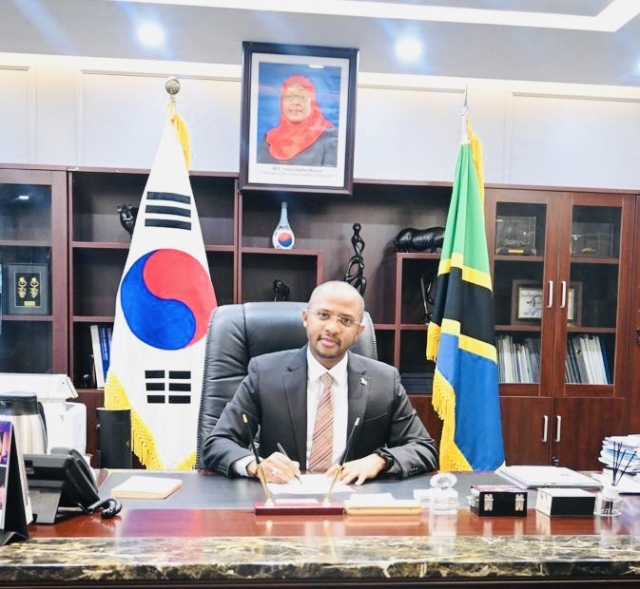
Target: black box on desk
x,y
565,502
498,500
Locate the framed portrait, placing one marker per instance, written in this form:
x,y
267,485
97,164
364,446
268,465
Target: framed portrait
x,y
527,301
27,289
298,111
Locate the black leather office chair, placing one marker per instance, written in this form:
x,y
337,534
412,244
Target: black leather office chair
x,y
236,334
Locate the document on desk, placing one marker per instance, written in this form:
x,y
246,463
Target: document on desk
x,y
547,476
312,484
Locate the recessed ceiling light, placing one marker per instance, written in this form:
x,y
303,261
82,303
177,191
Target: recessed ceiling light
x,y
408,49
151,34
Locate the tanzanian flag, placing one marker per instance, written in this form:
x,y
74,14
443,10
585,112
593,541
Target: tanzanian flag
x,y
461,337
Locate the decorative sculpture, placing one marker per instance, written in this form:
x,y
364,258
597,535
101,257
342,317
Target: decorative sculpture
x,y
128,215
281,290
355,268
419,240
427,285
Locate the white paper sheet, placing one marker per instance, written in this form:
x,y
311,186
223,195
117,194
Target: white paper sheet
x,y
312,484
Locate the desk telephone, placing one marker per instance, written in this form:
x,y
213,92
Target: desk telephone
x,y
61,484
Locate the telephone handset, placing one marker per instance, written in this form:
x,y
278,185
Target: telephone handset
x,y
61,484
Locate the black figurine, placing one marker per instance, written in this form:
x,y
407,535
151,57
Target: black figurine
x,y
128,215
355,268
281,290
427,288
419,240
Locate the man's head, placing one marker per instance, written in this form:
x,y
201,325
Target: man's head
x,y
333,321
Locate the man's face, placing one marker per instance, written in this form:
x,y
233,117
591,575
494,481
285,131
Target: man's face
x,y
296,103
327,323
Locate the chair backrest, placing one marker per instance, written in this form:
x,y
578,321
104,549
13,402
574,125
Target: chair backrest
x,y
236,334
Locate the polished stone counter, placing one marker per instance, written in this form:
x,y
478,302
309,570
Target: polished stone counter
x,y
207,535
173,560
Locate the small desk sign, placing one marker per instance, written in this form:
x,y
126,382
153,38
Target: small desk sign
x,y
13,489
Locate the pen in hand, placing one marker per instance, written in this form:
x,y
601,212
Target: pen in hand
x,y
259,471
283,451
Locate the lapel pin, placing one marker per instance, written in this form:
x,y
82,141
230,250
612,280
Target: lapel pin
x,y
363,381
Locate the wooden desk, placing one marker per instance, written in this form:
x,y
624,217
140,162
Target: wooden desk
x,y
200,546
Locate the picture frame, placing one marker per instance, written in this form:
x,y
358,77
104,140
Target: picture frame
x,y
527,302
27,289
282,87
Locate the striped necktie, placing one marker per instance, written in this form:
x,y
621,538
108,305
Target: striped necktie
x,y
322,443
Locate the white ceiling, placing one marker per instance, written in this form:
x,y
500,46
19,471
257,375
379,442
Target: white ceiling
x,y
575,41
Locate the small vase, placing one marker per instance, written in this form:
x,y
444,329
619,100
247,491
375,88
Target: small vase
x,y
283,237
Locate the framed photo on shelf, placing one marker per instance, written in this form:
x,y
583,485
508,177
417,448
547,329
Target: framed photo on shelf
x,y
298,111
527,301
27,289
574,303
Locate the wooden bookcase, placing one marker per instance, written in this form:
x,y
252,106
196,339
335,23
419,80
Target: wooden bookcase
x,y
544,421
578,243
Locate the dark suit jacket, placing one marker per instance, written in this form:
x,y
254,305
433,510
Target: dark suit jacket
x,y
274,396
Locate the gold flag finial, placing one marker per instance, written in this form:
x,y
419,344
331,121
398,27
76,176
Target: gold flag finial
x,y
172,86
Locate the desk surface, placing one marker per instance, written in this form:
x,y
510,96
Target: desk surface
x,y
207,535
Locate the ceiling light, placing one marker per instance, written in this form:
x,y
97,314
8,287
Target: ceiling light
x,y
151,34
408,49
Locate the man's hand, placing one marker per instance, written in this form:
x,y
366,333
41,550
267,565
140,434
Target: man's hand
x,y
360,470
277,468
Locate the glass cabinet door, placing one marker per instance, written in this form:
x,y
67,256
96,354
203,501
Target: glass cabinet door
x,y
591,296
519,247
559,287
32,257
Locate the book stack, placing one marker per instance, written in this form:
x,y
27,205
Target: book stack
x,y
417,383
518,359
586,360
621,453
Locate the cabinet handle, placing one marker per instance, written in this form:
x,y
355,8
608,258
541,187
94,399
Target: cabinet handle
x,y
545,428
550,303
563,302
558,427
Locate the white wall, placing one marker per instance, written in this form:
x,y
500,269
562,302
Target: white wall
x,y
77,112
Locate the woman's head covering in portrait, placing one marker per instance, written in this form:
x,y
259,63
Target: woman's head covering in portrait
x,y
301,120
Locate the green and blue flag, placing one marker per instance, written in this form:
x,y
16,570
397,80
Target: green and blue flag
x,y
461,334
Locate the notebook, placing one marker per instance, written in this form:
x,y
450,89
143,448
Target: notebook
x,y
546,476
146,487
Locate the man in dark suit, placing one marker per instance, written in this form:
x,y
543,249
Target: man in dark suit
x,y
282,401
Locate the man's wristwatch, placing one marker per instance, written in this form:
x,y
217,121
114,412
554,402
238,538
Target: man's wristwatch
x,y
386,456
